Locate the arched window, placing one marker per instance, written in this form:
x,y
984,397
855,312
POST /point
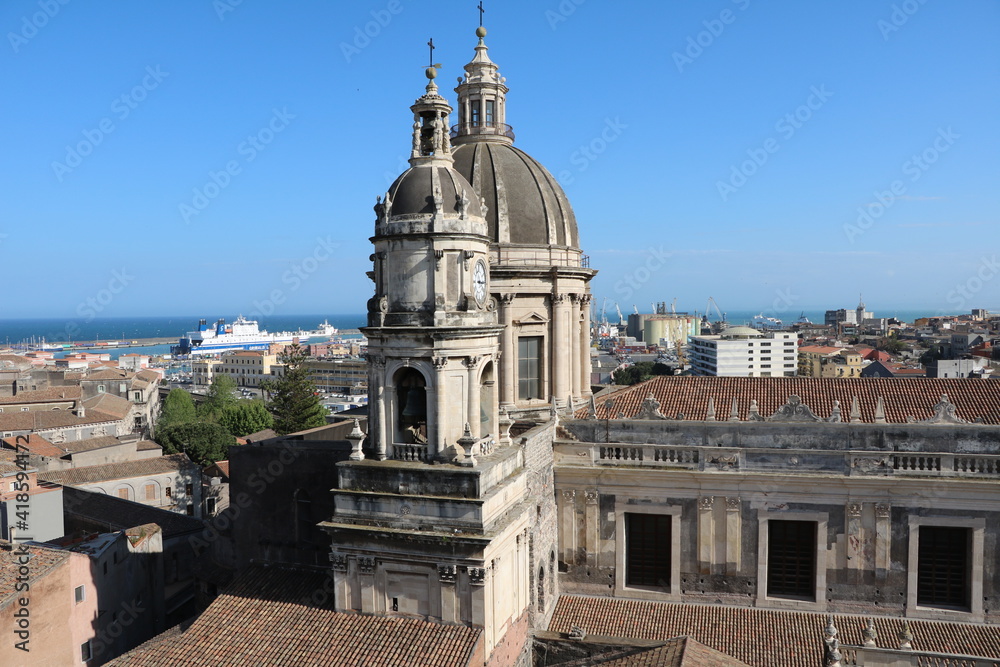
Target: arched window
x,y
411,407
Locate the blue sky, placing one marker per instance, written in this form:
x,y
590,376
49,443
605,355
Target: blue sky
x,y
213,157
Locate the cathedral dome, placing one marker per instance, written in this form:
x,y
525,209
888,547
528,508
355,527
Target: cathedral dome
x,y
412,192
525,204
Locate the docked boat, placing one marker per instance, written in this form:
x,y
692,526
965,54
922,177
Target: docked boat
x,y
241,334
762,322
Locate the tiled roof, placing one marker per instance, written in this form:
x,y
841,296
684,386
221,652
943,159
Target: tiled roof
x,y
112,513
760,637
40,420
902,397
111,471
819,349
36,445
41,562
221,466
278,617
48,395
109,374
146,445
88,444
115,407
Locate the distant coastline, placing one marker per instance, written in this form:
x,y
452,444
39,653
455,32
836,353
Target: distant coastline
x,y
59,330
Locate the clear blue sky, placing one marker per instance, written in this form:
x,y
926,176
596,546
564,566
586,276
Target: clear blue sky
x,y
697,180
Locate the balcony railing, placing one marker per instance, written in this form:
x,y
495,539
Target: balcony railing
x,y
468,129
409,452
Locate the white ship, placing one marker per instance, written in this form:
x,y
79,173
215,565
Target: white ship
x,y
762,322
241,334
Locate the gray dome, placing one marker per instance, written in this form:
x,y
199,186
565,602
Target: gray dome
x,y
411,192
525,204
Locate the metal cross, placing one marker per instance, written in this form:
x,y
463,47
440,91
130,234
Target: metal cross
x,y
431,44
481,10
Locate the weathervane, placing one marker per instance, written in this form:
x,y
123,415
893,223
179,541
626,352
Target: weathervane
x,y
481,10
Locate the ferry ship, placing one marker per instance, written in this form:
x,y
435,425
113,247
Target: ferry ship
x,y
241,334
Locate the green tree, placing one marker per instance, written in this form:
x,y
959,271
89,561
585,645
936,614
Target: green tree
x,y
293,400
203,442
890,344
220,397
633,374
178,408
660,368
246,417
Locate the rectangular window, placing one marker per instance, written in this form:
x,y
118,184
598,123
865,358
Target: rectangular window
x,y
647,550
791,559
943,567
79,594
86,654
474,108
529,367
490,109
123,493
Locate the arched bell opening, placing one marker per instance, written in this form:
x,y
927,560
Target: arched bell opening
x,y
410,423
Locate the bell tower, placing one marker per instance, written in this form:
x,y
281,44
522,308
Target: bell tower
x,y
430,518
433,337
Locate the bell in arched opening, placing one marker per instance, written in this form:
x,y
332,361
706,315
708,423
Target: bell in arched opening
x,y
415,404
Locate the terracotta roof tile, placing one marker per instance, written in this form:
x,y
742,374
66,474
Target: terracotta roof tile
x,y
902,397
37,445
42,561
282,617
760,637
48,395
112,471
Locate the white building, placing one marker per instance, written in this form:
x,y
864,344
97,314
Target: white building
x,y
745,352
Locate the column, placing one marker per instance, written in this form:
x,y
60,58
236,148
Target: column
x,y
584,360
883,539
559,356
567,526
380,436
436,438
574,334
508,353
706,533
734,542
591,544
472,407
854,541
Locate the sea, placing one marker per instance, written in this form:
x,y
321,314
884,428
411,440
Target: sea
x,y
59,330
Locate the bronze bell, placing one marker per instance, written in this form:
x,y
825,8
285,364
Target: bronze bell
x,y
416,403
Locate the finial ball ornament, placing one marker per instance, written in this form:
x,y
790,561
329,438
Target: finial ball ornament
x,y
430,73
480,32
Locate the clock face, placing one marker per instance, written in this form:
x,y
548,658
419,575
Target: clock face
x,y
479,281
